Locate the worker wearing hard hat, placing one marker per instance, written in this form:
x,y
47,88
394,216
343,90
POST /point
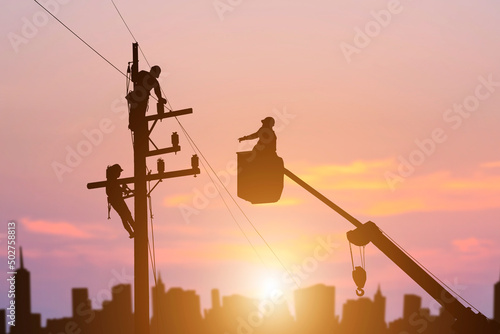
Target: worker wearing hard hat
x,y
116,193
139,97
267,138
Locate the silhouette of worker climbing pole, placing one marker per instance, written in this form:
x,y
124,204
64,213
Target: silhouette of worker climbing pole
x,y
139,124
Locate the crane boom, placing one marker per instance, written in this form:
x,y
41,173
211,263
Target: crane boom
x,y
467,322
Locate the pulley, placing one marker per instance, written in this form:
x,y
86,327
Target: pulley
x,y
359,272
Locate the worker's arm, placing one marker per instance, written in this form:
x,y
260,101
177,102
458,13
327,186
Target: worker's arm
x,y
126,191
158,93
252,136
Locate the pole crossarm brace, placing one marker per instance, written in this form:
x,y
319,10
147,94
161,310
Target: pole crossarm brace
x,y
150,177
169,114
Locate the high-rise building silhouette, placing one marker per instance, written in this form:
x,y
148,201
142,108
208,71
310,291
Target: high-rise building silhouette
x,y
25,321
214,316
496,302
82,309
379,307
2,322
215,299
118,312
315,309
411,305
355,315
364,316
80,299
176,311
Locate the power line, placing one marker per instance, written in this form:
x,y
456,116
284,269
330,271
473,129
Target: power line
x,y
184,130
196,149
130,31
81,39
190,140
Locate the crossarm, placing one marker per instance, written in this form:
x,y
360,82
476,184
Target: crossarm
x,y
150,177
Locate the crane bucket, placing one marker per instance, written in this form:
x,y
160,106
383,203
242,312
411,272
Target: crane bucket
x,y
260,177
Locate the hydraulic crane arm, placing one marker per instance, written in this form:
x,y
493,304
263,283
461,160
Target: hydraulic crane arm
x,y
466,320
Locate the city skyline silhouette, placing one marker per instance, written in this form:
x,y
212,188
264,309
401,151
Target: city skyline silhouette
x,y
387,108
178,311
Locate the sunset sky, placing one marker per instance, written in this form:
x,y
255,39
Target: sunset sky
x,y
389,108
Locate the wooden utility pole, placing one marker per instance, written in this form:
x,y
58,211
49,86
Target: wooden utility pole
x,y
140,179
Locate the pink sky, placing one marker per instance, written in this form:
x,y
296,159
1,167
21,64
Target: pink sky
x,y
349,124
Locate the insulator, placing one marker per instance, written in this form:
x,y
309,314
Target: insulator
x,y
161,166
195,161
175,139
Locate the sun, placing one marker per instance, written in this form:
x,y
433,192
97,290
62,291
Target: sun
x,y
269,286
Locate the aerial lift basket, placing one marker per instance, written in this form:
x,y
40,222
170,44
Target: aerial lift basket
x,y
260,177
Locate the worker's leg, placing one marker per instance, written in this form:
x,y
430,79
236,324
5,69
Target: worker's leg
x,y
124,213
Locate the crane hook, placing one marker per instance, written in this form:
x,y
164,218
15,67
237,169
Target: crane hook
x,y
359,277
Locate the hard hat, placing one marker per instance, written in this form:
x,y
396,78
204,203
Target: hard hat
x,y
113,171
155,70
116,167
268,120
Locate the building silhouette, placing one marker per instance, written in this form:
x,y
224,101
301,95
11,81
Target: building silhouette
x,y
178,311
23,299
417,320
315,309
379,308
26,322
496,302
214,317
2,322
364,316
175,311
411,305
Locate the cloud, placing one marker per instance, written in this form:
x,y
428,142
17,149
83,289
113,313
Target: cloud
x,y
474,246
493,164
55,228
175,200
361,188
359,174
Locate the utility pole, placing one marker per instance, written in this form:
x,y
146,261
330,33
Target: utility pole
x,y
140,179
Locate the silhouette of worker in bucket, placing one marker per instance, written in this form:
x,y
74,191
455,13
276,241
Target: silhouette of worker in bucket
x,y
266,146
116,195
260,171
139,97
